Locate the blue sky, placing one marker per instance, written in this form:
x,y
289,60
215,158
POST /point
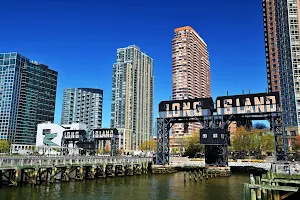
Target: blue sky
x,y
79,39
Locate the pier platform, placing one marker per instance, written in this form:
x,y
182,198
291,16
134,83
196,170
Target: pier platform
x,y
16,171
281,182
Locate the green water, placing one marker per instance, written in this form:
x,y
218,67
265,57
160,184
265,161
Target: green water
x,y
148,187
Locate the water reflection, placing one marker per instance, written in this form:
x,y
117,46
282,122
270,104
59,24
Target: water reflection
x,y
156,187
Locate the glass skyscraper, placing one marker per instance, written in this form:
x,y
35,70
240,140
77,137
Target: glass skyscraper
x,y
83,105
27,97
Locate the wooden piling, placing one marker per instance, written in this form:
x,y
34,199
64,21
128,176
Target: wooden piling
x,y
201,175
190,173
1,180
184,179
252,190
258,190
269,192
246,192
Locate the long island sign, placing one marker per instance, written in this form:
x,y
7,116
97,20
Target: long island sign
x,y
260,103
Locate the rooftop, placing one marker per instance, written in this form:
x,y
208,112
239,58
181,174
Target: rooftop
x,y
191,29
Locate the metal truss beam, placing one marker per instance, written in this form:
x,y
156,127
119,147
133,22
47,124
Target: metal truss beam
x,y
218,154
280,139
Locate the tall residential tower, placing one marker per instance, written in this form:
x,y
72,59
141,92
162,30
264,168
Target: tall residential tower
x,y
27,97
132,96
281,20
190,72
271,46
82,105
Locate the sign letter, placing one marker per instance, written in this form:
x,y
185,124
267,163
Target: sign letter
x,y
186,109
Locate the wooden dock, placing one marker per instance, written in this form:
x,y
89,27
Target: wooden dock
x,y
16,171
282,182
218,171
163,169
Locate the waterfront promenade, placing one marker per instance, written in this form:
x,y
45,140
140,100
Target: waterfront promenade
x,y
184,162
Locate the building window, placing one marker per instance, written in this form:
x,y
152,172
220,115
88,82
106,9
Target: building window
x,y
215,135
46,131
293,133
204,135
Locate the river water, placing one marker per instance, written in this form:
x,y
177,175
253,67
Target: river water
x,y
148,187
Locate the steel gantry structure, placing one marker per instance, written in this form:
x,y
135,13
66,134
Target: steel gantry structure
x,y
215,119
91,142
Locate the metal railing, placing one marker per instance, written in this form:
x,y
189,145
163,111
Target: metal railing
x,y
33,161
286,168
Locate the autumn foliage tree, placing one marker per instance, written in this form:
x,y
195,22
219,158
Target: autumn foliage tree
x,y
297,142
257,140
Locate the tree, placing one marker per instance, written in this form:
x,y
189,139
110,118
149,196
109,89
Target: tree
x,y
267,142
193,146
148,146
257,140
241,140
100,151
107,149
174,150
4,146
297,142
121,152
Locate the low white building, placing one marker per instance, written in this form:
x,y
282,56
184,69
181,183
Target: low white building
x,y
50,134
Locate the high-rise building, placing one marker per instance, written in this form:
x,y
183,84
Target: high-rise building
x,y
82,105
132,96
190,72
281,18
271,46
27,97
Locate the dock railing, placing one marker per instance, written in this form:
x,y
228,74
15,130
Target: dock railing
x,y
286,168
14,162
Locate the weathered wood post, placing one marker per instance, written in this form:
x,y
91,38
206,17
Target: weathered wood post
x,y
184,179
190,173
253,192
258,190
276,195
195,176
201,175
269,192
246,192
